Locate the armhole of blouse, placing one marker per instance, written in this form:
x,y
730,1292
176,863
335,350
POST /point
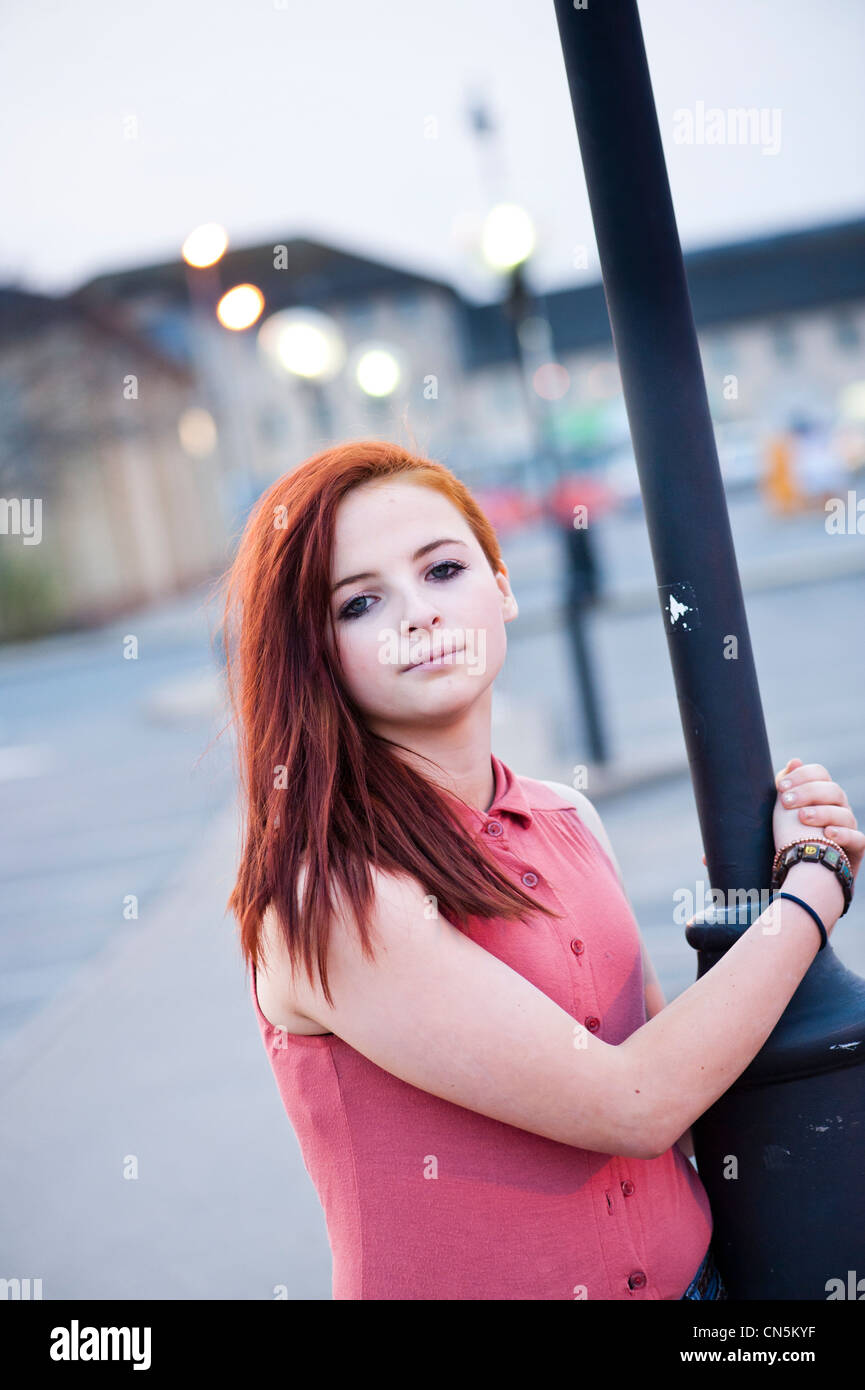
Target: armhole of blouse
x,y
271,1029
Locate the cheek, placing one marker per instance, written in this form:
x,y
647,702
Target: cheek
x,y
359,653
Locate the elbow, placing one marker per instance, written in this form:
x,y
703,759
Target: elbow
x,y
658,1136
645,1131
663,1138
641,1139
647,1151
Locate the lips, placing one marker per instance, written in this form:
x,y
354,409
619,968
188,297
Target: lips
x,y
437,657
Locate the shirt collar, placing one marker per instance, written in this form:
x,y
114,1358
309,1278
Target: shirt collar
x,y
508,797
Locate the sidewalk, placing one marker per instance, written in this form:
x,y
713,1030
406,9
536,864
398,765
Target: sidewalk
x,y
153,1059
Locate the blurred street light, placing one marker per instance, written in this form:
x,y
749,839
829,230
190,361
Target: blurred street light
x,y
308,345
240,308
197,431
508,237
377,371
223,383
507,242
205,246
304,342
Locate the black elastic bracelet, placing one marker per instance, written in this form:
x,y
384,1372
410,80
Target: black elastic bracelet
x,y
808,908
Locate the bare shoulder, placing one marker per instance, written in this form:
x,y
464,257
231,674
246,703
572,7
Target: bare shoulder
x,y
285,995
589,815
275,982
567,793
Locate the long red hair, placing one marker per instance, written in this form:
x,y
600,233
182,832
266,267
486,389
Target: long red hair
x,y
316,784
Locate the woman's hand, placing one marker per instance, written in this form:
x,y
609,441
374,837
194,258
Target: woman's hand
x,y
813,802
818,805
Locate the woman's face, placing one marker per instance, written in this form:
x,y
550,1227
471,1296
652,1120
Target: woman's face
x,y
400,607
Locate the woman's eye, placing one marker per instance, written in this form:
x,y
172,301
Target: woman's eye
x,y
444,564
347,612
350,612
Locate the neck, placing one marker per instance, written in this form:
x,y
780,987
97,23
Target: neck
x,y
460,751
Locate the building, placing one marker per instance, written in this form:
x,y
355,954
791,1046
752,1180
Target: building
x,y
148,428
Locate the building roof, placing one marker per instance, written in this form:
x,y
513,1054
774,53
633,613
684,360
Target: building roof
x,y
780,274
755,278
23,313
315,273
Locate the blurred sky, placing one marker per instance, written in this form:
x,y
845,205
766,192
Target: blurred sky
x,y
287,117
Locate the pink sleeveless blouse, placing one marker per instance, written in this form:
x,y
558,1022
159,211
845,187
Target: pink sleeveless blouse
x,y
501,1213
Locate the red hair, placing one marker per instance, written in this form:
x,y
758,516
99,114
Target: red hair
x,y
317,785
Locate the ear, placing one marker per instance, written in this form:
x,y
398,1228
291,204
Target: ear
x,y
509,605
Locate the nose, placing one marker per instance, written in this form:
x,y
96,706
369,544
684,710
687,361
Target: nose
x,y
417,630
421,614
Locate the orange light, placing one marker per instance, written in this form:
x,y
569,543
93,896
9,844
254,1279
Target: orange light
x,y
240,307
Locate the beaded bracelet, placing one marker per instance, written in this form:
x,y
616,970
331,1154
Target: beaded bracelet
x,y
815,850
810,840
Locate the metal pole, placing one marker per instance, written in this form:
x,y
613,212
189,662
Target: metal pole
x,y
671,427
796,1216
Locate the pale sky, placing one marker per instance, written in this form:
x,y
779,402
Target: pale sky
x,y
280,118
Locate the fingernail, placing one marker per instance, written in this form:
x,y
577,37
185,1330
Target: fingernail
x,y
786,782
789,796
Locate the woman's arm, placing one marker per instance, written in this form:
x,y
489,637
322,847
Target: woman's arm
x,y
654,994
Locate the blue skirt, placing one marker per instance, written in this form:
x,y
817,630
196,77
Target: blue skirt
x,y
707,1282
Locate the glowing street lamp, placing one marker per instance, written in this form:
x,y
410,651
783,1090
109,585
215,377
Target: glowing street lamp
x,y
377,371
240,308
222,384
308,345
508,236
205,246
304,342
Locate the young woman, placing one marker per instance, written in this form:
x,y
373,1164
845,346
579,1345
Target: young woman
x,y
491,1096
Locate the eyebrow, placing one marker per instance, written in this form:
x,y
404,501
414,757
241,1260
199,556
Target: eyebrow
x,y
373,574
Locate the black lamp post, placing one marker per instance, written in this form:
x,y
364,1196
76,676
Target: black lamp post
x,y
792,1219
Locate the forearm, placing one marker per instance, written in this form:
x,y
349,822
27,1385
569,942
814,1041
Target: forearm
x,y
690,1053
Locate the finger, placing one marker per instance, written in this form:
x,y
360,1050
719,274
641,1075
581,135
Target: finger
x,y
850,840
828,815
807,772
814,794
